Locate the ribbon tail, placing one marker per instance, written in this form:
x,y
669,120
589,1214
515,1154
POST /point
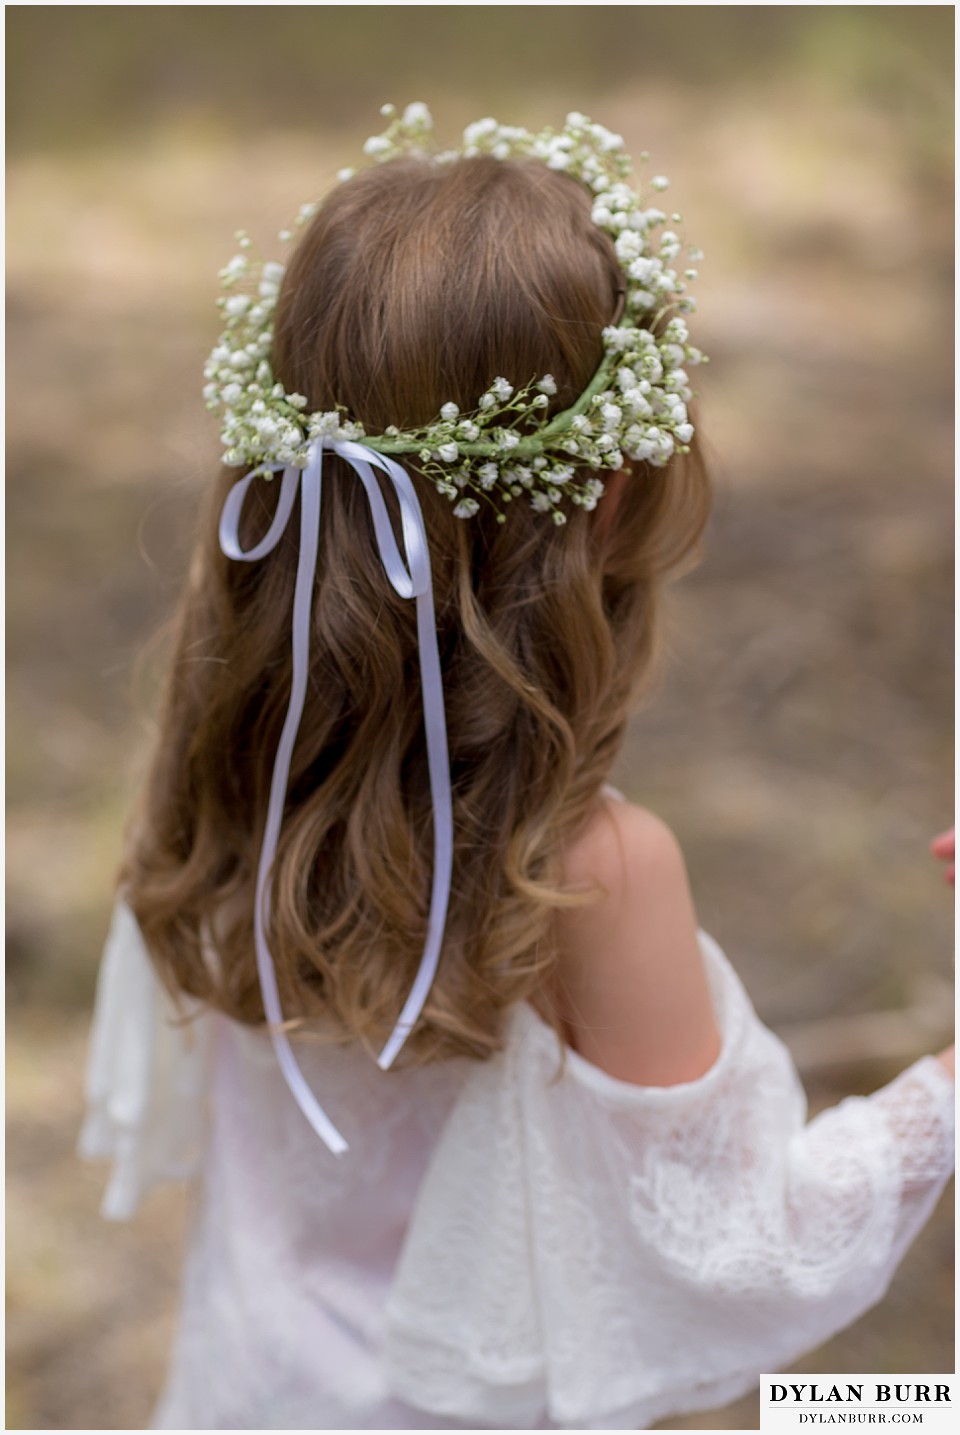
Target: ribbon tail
x,y
310,484
438,758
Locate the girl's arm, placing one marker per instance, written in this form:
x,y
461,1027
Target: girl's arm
x,y
631,986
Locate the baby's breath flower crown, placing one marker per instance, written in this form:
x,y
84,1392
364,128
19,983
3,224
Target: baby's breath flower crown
x,y
506,448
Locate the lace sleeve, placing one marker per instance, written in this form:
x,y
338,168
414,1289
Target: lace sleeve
x,y
146,1076
615,1254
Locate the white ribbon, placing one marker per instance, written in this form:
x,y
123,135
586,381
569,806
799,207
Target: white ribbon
x,y
410,576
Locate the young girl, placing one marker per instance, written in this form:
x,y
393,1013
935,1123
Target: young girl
x,y
488,1130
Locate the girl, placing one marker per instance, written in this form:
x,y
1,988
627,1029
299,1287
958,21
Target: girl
x,y
377,825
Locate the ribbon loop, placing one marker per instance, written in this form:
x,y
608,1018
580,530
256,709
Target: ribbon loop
x,y
410,576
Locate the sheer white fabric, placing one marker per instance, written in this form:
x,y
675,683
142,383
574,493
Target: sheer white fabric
x,y
499,1248
146,1078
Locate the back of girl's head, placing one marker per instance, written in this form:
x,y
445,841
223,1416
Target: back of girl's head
x,y
415,285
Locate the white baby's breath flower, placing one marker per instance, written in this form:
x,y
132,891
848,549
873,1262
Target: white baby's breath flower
x,y
376,144
501,389
468,430
547,385
417,116
448,452
628,245
236,306
660,182
235,270
466,508
488,401
488,473
449,412
479,130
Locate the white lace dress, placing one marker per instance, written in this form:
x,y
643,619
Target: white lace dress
x,y
496,1248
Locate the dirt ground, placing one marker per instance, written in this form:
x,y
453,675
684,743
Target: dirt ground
x,y
800,743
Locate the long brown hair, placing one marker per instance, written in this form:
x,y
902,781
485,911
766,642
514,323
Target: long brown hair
x,y
415,284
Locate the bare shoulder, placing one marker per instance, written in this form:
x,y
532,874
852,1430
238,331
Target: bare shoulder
x,y
631,988
622,845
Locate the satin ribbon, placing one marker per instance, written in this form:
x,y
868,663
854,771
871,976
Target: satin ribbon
x,y
409,574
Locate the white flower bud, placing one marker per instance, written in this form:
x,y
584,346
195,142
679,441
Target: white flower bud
x,y
449,412
479,130
418,116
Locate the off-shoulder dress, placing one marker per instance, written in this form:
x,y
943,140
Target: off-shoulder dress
x,y
499,1248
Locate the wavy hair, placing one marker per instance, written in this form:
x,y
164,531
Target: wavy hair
x,y
414,285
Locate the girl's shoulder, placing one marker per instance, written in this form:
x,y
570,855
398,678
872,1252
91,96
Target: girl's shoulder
x,y
621,844
631,986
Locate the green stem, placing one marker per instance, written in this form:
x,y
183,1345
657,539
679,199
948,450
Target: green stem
x,y
530,444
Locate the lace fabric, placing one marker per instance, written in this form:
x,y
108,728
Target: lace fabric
x,y
623,1253
500,1248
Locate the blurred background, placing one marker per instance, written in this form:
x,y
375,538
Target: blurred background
x,y
800,742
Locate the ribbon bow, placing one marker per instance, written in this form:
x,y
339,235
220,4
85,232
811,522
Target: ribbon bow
x,y
410,576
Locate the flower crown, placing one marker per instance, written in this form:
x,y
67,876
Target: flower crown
x,y
506,448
